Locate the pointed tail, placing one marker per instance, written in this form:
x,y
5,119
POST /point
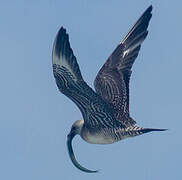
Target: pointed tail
x,y
135,130
146,130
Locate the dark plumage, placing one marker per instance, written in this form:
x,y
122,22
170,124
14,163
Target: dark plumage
x,y
106,111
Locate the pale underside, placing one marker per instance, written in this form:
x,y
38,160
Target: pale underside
x,y
109,136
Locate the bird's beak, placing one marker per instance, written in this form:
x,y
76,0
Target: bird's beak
x,y
70,137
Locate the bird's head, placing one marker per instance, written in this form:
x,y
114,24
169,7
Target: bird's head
x,y
76,129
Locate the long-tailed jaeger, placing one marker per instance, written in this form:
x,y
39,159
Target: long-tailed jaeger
x,y
105,111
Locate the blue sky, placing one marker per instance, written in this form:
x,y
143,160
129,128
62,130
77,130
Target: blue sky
x,y
36,118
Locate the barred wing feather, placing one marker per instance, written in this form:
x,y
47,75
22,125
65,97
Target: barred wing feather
x,y
95,111
112,81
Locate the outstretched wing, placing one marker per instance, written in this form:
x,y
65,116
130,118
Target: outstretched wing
x,y
63,60
112,81
70,82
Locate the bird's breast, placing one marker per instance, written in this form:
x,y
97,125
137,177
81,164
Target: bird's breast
x,y
97,137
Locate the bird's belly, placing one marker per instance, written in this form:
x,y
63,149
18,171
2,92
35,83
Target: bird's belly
x,y
97,138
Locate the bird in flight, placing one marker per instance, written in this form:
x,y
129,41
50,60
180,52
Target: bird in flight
x,y
105,111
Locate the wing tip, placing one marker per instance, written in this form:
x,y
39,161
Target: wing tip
x,y
148,12
61,38
149,9
61,34
141,25
62,30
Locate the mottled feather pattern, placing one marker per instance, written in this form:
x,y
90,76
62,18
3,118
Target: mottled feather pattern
x,y
106,117
95,111
117,69
109,107
111,83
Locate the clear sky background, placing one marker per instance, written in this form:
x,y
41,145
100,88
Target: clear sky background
x,y
35,117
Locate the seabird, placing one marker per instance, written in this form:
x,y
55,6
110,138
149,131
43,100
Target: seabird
x,y
105,111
